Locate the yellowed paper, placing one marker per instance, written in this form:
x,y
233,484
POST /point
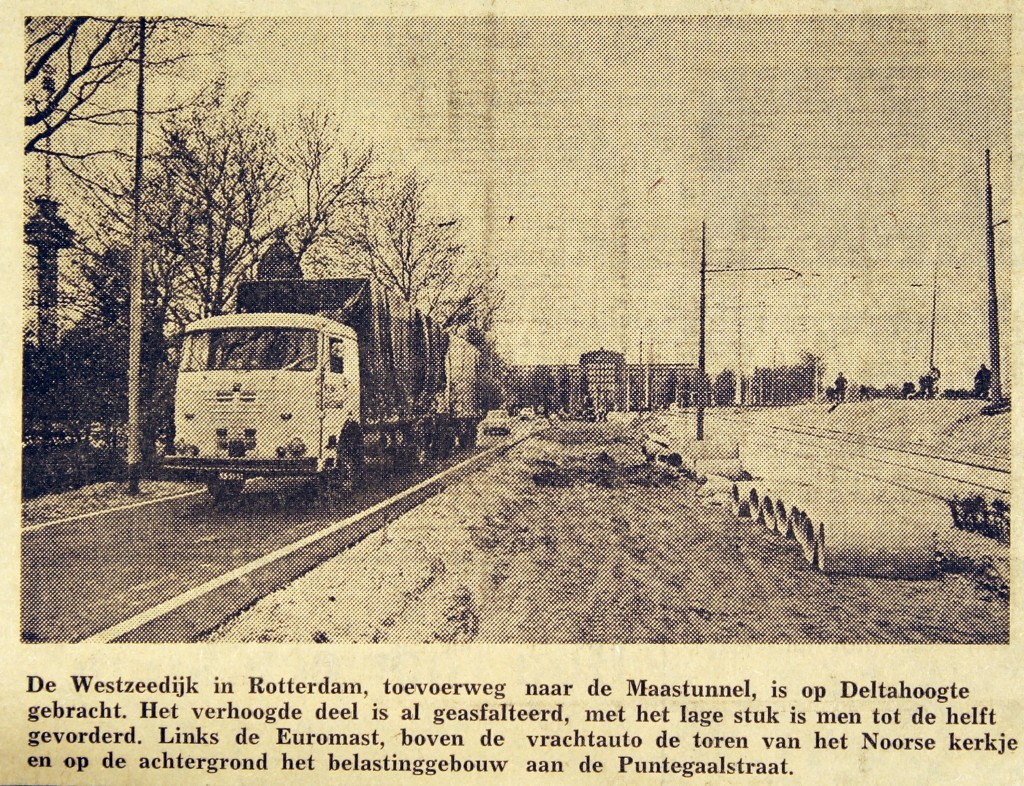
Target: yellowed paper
x,y
551,611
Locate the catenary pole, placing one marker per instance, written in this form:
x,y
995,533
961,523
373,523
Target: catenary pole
x,y
135,286
996,389
935,300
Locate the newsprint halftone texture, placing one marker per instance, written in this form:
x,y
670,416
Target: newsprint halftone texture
x,y
564,330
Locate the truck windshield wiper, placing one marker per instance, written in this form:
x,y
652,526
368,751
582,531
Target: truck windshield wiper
x,y
301,359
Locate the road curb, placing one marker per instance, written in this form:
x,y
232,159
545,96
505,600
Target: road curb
x,y
188,616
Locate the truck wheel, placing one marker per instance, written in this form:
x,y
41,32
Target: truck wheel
x,y
412,454
223,490
450,442
419,453
348,471
414,450
388,452
338,481
329,486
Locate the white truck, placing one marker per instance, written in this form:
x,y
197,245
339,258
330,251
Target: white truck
x,y
315,378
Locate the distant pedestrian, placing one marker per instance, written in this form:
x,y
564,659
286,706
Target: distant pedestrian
x,y
840,387
930,383
982,382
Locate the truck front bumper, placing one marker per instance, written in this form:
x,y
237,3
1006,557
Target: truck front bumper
x,y
196,467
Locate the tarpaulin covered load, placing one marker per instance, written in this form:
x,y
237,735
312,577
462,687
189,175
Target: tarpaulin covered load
x,y
401,352
463,363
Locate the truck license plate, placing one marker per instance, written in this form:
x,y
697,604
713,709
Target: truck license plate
x,y
231,476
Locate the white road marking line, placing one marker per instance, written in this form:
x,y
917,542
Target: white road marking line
x,y
80,516
110,634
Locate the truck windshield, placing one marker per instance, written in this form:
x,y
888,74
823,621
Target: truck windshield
x,y
249,349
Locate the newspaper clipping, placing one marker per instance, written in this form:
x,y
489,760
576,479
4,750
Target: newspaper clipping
x,y
491,393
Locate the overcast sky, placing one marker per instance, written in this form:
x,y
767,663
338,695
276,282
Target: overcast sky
x,y
582,156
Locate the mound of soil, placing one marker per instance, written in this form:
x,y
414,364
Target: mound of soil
x,y
603,469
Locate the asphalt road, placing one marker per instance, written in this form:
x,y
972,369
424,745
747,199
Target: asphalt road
x,y
84,576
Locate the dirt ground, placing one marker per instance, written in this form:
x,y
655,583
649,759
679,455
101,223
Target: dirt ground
x,y
572,538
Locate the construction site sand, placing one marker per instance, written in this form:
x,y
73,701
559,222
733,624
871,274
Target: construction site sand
x,y
497,558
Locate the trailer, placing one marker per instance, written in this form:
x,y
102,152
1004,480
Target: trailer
x,y
318,378
462,369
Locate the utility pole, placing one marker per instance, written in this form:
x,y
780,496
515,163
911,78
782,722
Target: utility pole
x,y
703,386
739,352
701,381
135,287
993,304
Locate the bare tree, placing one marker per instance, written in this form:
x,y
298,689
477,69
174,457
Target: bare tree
x,y
466,292
77,71
68,63
196,183
326,182
396,242
213,199
73,66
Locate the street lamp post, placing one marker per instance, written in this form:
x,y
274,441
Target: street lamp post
x,y
134,453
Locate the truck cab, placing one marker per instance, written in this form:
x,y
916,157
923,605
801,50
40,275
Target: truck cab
x,y
265,394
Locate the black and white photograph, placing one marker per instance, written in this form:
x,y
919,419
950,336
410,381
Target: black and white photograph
x,y
496,393
613,329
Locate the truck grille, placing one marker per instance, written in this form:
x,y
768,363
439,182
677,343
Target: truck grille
x,y
237,445
232,395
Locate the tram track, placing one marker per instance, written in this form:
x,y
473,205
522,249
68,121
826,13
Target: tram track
x,y
991,463
921,471
954,482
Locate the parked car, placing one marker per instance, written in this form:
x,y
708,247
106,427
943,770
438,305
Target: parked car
x,y
497,423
